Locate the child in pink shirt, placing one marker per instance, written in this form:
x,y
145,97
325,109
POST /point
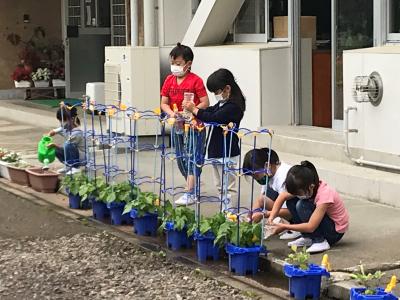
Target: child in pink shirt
x,y
317,210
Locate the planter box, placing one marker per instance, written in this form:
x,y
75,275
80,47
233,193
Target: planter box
x,y
42,180
100,210
58,83
4,170
357,294
243,261
75,201
305,283
144,225
41,83
22,84
177,239
205,247
117,218
18,175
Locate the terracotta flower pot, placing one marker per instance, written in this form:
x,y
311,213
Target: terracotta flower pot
x,y
42,180
18,175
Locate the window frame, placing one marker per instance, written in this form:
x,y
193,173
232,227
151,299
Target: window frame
x,y
261,37
391,37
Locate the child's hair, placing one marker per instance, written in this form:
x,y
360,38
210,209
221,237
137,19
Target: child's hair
x,y
68,115
301,177
255,159
223,77
182,50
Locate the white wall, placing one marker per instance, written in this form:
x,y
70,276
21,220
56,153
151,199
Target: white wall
x,y
378,125
174,19
275,85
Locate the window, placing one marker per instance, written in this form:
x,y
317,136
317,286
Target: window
x,y
393,13
251,24
118,23
74,12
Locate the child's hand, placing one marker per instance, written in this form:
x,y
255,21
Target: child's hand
x,y
278,228
188,105
52,145
51,133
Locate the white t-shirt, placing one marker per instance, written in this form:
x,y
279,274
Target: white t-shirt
x,y
277,183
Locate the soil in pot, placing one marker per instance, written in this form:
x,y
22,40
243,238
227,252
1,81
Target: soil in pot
x,y
44,181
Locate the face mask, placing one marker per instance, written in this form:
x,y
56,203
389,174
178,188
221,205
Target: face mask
x,y
177,70
303,197
262,181
219,97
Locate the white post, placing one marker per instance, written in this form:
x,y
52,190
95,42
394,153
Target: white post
x,y
134,23
149,23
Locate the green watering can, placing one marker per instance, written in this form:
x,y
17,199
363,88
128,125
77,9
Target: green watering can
x,y
46,155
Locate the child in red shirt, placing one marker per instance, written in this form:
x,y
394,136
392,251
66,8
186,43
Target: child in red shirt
x,y
182,81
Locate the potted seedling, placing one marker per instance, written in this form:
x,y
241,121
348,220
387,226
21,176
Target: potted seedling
x,y
17,172
242,244
176,222
93,189
72,185
144,210
116,196
304,278
204,233
41,77
370,286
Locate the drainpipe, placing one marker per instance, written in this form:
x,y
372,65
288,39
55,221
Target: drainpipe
x,y
360,161
149,17
134,23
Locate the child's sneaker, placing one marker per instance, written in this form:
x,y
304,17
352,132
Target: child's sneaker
x,y
73,171
290,235
301,242
62,170
319,247
186,199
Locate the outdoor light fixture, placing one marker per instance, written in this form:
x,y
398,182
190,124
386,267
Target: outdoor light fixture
x,y
27,18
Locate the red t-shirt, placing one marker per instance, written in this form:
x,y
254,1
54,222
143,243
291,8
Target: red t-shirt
x,y
174,91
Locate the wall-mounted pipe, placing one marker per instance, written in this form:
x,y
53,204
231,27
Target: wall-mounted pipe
x,y
134,23
360,161
149,20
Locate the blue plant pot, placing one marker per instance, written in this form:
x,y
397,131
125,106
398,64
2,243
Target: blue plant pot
x,y
75,202
100,210
205,247
305,283
243,261
116,210
177,239
144,225
357,294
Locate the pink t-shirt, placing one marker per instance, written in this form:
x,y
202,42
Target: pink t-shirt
x,y
336,210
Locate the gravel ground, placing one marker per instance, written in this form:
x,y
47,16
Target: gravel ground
x,y
98,266
44,255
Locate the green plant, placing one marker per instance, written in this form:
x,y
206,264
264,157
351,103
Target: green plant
x,y
73,183
369,281
144,202
211,224
11,157
244,235
118,192
298,258
41,74
181,216
92,188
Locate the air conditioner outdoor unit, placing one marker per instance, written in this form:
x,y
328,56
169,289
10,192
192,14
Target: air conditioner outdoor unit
x,y
371,105
132,77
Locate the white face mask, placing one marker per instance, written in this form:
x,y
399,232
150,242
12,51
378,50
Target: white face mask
x,y
219,97
177,70
303,197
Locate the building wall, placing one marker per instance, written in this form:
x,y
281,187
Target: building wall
x,y
45,13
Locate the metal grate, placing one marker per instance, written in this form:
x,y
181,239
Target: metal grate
x,y
74,12
118,22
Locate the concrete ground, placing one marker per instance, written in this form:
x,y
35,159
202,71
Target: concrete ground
x,y
370,240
